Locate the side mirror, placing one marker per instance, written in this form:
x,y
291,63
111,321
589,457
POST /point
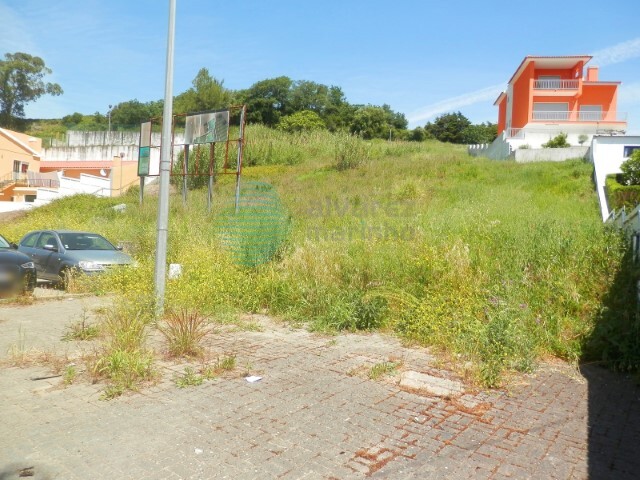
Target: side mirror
x,y
119,247
51,248
13,245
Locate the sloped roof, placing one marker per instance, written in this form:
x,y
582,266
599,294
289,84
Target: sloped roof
x,y
559,61
11,136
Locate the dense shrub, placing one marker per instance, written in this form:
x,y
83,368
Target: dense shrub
x,y
631,169
559,141
619,195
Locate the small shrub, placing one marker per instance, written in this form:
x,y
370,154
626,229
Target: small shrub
x,y
81,330
184,332
559,141
123,360
582,138
224,364
69,375
189,379
124,369
524,146
303,121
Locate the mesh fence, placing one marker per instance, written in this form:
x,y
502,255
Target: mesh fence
x,y
256,233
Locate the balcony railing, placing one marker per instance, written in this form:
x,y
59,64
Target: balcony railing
x,y
556,84
32,180
567,116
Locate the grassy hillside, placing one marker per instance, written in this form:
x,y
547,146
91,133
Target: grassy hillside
x,y
495,263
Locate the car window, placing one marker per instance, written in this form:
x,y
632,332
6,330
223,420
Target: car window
x,y
30,240
85,241
4,243
46,239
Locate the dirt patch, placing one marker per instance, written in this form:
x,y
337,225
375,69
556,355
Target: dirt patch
x,y
6,217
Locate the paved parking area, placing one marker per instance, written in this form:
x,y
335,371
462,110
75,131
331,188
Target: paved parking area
x,y
314,415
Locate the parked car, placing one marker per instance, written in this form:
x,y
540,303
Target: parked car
x,y
17,271
59,253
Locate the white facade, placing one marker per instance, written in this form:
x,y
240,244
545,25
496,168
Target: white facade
x,y
607,154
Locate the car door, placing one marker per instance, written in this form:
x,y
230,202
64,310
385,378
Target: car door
x,y
46,256
27,245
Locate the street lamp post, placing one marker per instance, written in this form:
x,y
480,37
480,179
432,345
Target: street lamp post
x,y
165,164
109,115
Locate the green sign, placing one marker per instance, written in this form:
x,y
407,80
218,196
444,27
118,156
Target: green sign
x,y
143,161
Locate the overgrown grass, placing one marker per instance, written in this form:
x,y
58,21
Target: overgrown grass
x,y
495,263
184,331
124,360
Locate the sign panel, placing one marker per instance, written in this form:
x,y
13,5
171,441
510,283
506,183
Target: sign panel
x,y
144,152
207,128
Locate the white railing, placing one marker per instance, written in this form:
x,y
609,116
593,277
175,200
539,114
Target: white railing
x,y
564,116
556,84
585,116
515,133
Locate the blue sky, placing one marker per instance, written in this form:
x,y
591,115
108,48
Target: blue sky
x,y
421,57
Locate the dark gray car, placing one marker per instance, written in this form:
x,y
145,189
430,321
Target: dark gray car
x,y
57,253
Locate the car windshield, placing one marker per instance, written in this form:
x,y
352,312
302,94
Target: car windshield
x,y
4,243
85,241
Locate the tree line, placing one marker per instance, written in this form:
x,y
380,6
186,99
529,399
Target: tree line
x,y
283,103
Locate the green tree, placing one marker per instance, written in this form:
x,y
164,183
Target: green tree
x,y
304,121
480,133
267,101
631,169
21,82
72,120
448,127
129,114
370,122
396,120
207,93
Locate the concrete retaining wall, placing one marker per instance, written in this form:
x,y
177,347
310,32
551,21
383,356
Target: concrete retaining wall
x,y
550,154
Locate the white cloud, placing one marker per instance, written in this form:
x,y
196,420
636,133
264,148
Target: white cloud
x,y
617,53
629,94
454,103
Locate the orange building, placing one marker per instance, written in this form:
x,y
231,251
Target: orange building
x,y
547,96
20,157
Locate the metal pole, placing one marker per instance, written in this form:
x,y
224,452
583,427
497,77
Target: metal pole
x,y
185,171
239,160
165,162
212,169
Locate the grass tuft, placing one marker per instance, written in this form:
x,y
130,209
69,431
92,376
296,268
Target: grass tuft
x,y
184,332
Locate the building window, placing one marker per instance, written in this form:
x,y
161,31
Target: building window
x,y
550,111
629,149
591,113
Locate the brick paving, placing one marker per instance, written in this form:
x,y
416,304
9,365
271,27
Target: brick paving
x,y
314,415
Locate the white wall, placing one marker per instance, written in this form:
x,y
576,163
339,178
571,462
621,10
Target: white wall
x,y
607,154
550,154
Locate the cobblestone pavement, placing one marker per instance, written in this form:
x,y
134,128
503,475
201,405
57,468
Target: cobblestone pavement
x,y
315,414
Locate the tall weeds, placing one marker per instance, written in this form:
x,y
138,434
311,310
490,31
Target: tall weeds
x,y
497,263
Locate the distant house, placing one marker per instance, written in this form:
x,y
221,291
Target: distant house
x,y
29,174
547,96
20,157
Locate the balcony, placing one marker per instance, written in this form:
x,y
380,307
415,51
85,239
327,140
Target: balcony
x,y
29,180
556,84
573,116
